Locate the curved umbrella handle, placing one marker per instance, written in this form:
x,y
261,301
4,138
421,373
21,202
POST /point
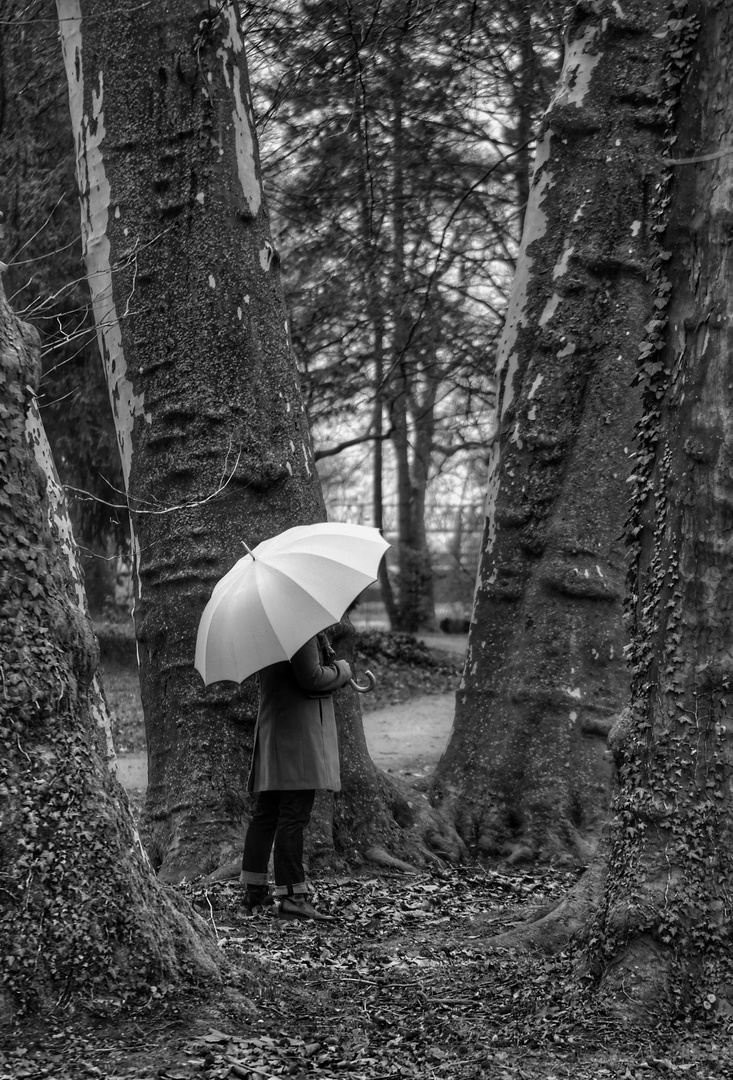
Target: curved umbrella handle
x,y
372,682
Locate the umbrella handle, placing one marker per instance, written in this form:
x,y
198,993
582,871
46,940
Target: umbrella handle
x,y
372,682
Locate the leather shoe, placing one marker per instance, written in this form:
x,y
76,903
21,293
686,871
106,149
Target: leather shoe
x,y
299,907
257,898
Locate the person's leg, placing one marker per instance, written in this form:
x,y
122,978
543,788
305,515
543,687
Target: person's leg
x,y
257,847
295,813
290,884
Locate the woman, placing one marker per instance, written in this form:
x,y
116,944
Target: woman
x,y
295,753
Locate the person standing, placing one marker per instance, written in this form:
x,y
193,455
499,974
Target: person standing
x,y
295,753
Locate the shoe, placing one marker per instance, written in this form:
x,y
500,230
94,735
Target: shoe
x,y
299,907
257,898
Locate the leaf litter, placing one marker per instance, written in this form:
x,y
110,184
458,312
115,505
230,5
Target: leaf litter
x,y
405,984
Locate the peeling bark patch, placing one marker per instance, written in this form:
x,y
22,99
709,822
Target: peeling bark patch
x,y
577,70
534,228
493,485
57,508
89,133
561,266
102,719
241,115
549,309
535,386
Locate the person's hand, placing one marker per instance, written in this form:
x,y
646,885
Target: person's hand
x,y
344,669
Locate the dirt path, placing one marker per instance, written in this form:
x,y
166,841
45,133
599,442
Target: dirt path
x,y
407,738
412,736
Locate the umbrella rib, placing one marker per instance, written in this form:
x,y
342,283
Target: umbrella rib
x,y
292,584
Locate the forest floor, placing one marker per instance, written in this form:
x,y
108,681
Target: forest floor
x,y
405,983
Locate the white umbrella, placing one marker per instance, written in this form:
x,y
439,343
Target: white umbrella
x,y
282,593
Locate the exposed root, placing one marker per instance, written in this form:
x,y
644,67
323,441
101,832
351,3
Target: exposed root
x,y
486,829
553,930
227,872
426,829
380,857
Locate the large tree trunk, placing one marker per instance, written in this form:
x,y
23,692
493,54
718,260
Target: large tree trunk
x,y
213,436
213,439
81,913
664,928
524,773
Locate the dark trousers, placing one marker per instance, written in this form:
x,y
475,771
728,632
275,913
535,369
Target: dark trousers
x,y
277,825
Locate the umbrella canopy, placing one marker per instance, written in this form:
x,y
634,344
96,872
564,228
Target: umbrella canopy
x,y
282,593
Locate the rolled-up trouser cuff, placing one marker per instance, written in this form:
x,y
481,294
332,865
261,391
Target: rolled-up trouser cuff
x,y
251,877
299,889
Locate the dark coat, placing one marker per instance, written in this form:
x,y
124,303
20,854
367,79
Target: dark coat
x,y
296,745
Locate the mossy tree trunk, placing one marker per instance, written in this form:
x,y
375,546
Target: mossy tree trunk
x,y
524,774
653,913
663,931
192,329
81,913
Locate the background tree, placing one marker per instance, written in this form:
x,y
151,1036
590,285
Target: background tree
x,y
211,428
545,677
391,165
80,911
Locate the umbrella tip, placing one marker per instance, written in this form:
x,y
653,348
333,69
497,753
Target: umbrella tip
x,y
248,550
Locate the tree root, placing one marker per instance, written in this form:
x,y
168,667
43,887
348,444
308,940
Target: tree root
x,y
552,930
380,857
484,828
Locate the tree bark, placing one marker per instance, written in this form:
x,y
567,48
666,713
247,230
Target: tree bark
x,y
81,914
213,440
524,101
663,932
192,328
43,251
416,606
524,774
